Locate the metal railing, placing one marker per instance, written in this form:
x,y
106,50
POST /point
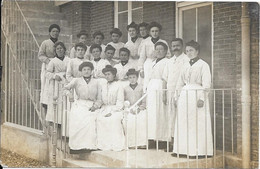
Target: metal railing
x,y
222,120
22,69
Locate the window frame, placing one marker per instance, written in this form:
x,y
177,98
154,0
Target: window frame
x,y
182,6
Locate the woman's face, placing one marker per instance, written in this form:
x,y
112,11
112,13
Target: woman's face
x,y
83,39
132,79
86,71
96,53
60,51
110,54
115,37
54,33
160,51
191,52
123,56
154,32
98,39
143,31
132,32
109,76
80,52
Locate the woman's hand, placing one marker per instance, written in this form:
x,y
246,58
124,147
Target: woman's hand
x,y
92,109
58,78
200,103
108,115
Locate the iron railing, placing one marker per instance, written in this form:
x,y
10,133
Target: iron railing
x,y
22,69
222,113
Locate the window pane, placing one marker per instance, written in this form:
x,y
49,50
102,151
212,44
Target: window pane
x,y
122,23
204,32
189,25
137,4
122,6
137,16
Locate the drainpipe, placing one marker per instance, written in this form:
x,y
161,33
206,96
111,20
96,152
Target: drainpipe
x,y
245,98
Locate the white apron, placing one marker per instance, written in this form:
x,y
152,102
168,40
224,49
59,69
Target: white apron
x,y
82,129
203,130
148,65
110,133
136,138
44,97
157,114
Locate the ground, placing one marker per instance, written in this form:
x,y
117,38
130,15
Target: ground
x,y
12,159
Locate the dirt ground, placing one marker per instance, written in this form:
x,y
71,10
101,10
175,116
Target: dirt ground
x,y
11,159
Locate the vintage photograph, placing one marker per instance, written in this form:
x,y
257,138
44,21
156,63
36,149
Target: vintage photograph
x,y
129,84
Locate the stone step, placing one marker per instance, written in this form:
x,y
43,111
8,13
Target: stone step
x,y
149,159
71,163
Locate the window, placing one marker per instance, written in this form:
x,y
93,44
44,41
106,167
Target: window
x,y
125,13
195,23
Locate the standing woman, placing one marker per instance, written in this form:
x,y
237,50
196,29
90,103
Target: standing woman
x,y
46,53
133,44
82,121
194,79
56,70
110,133
147,52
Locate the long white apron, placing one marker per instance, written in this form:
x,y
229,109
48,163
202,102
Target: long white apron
x,y
136,135
45,84
148,65
171,109
82,129
199,124
157,114
110,133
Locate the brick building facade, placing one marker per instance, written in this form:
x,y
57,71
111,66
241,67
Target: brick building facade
x,y
226,46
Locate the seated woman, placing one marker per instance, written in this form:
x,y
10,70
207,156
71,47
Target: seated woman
x,y
109,54
82,122
132,93
110,133
195,77
56,70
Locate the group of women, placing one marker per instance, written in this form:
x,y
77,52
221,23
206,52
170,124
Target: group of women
x,y
107,79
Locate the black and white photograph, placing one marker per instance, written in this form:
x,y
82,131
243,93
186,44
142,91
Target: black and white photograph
x,y
129,84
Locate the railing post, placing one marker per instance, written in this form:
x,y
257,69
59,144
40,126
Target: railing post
x,y
54,140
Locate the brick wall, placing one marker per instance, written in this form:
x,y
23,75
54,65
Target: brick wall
x,y
226,18
102,18
78,15
163,13
254,16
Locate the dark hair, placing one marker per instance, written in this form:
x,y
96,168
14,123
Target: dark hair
x,y
125,50
61,44
86,64
109,68
155,24
110,47
178,39
80,44
162,44
54,26
94,46
143,24
98,33
116,31
194,44
132,25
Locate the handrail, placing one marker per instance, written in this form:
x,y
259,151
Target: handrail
x,y
27,24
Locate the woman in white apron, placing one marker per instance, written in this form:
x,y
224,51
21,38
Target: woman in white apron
x,y
195,78
157,114
147,54
110,133
82,121
46,53
136,121
56,71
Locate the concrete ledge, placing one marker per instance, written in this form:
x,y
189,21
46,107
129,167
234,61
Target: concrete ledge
x,y
24,141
